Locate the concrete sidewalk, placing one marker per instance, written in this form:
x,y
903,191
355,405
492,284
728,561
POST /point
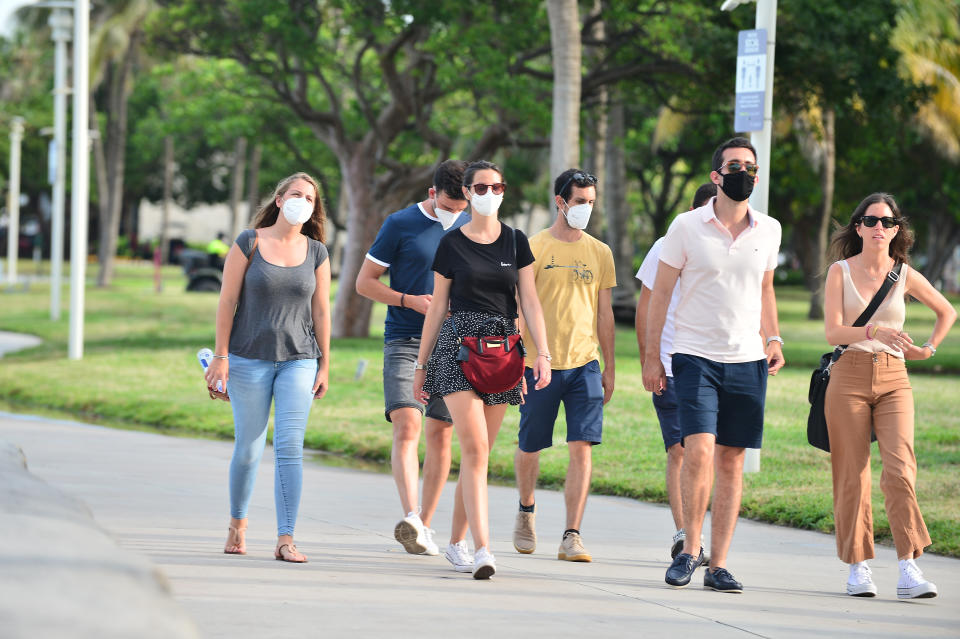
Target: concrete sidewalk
x,y
10,342
166,497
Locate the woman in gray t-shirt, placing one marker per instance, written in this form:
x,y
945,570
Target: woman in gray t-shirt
x,y
273,342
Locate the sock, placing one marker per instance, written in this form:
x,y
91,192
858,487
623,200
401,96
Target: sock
x,y
570,530
526,509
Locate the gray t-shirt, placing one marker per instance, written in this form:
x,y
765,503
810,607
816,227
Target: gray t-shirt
x,y
274,320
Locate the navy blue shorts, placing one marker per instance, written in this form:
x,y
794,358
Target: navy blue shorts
x,y
667,414
726,400
580,390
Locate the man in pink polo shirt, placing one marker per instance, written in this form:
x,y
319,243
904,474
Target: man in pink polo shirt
x,y
725,345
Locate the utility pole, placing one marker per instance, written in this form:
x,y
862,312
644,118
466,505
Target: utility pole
x,y
60,25
80,183
13,200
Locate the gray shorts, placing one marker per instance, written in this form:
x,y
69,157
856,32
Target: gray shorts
x,y
399,357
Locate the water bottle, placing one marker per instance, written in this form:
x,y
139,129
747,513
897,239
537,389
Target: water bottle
x,y
205,356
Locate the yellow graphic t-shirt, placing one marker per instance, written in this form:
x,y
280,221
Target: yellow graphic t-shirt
x,y
569,276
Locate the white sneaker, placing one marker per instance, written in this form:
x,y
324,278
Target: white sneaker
x,y
409,532
459,555
432,549
911,584
860,582
484,565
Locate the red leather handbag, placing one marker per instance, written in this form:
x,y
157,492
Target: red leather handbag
x,y
492,363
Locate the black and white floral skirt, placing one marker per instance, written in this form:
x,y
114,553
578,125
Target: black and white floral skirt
x,y
444,375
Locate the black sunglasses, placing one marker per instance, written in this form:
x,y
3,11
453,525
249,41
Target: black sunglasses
x,y
481,189
870,221
582,180
735,166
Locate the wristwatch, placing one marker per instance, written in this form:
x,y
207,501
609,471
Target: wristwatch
x,y
419,367
933,351
774,338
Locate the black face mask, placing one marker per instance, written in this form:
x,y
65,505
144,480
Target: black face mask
x,y
737,186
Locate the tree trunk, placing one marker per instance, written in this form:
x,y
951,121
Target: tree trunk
x,y
598,147
253,183
116,148
566,48
236,185
99,166
168,166
942,239
618,235
351,315
827,180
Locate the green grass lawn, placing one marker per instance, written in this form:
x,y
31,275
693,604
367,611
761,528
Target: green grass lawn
x,y
139,370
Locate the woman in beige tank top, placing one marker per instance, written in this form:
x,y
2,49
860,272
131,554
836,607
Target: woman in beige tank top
x,y
869,391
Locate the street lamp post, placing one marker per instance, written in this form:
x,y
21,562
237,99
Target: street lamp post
x,y
80,183
766,18
13,200
60,25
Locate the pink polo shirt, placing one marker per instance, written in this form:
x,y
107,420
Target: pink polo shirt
x,y
718,312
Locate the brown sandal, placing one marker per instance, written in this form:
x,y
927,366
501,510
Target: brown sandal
x,y
235,541
291,553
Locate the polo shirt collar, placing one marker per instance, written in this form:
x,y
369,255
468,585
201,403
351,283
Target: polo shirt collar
x,y
707,213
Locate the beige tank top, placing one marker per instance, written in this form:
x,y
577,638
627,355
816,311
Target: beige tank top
x,y
890,313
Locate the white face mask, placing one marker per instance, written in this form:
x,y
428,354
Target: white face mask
x,y
486,204
446,217
297,210
578,216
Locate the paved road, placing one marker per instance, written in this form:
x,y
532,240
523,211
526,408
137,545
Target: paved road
x,y
166,497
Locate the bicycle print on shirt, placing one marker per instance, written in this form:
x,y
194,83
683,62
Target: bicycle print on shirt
x,y
581,273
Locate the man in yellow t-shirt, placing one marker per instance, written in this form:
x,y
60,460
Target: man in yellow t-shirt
x,y
574,274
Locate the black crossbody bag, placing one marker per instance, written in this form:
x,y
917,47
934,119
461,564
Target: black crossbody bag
x,y
816,421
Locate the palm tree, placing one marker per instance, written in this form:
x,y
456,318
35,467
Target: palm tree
x,y
567,74
927,35
116,50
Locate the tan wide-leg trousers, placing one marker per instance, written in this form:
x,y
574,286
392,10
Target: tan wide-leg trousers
x,y
872,391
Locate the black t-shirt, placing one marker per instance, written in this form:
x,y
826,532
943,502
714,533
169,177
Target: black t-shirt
x,y
484,275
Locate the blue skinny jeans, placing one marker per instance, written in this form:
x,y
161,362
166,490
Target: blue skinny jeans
x,y
252,384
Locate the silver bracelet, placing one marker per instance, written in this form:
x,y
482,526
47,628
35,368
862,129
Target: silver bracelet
x,y
221,357
933,351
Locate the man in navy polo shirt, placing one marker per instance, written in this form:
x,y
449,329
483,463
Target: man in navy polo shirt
x,y
405,246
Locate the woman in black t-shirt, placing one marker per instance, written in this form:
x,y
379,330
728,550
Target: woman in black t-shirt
x,y
478,269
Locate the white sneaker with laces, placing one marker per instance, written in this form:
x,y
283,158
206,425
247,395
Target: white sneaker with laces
x,y
860,582
459,555
409,532
911,584
484,565
432,549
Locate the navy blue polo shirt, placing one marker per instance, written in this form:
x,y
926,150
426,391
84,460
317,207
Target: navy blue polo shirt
x,y
406,245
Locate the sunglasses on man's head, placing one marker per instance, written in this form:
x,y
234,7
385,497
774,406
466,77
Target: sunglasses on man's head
x,y
870,221
481,189
582,179
735,166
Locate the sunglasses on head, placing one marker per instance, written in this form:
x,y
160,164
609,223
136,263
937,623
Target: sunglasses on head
x,y
481,189
582,180
735,166
870,221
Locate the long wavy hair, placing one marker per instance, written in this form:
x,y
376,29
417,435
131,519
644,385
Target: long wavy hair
x,y
846,242
314,227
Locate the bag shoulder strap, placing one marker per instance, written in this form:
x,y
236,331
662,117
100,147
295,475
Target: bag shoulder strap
x,y
892,277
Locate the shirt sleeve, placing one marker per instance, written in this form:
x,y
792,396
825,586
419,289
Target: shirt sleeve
x,y
245,241
322,255
608,271
648,269
672,251
384,248
775,247
441,260
524,254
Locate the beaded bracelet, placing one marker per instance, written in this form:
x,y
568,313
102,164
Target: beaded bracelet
x,y
869,326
